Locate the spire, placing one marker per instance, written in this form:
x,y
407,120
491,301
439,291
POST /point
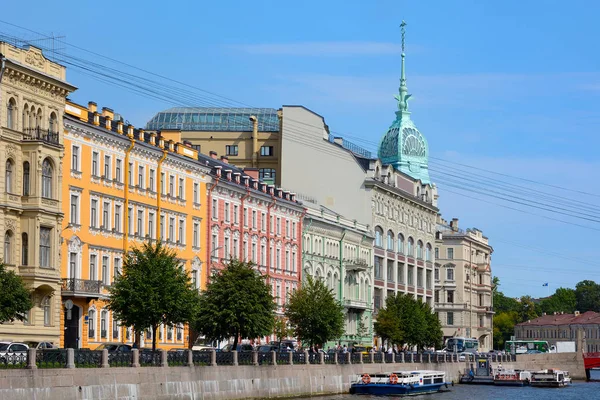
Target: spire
x,y
403,95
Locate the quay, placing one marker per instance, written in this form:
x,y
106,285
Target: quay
x,y
190,375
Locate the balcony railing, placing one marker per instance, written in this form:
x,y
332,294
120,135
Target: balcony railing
x,y
355,303
81,287
358,264
39,134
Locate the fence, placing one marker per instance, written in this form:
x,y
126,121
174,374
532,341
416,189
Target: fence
x,y
70,358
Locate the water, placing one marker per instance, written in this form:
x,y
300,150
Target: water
x,y
577,391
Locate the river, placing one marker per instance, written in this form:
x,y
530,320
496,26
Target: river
x,y
577,391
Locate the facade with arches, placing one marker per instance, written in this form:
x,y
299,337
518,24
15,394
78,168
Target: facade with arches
x,y
339,252
122,187
33,92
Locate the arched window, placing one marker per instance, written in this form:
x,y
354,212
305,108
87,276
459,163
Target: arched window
x,y
32,118
24,249
46,306
9,176
26,178
419,249
390,240
103,321
11,114
8,247
92,324
378,236
38,122
409,247
428,252
400,243
47,173
53,123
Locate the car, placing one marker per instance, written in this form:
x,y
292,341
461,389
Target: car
x,y
241,348
115,347
13,352
40,345
264,353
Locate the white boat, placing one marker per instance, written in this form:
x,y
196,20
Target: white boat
x,y
399,383
511,377
550,378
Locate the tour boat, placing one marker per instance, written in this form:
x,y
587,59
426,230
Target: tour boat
x,y
399,383
550,378
511,377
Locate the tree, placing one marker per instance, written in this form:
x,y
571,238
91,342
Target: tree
x,y
281,329
314,313
154,289
237,303
504,327
527,309
587,294
15,299
501,302
563,300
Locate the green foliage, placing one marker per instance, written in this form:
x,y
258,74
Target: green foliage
x,y
281,329
587,294
501,302
154,289
314,313
504,327
405,320
527,309
237,302
563,300
15,299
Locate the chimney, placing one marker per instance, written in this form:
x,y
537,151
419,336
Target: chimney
x,y
120,127
92,107
246,178
454,224
252,172
225,159
153,139
171,145
577,313
161,143
130,131
213,154
228,174
141,134
293,196
96,119
108,112
338,140
237,177
108,119
218,169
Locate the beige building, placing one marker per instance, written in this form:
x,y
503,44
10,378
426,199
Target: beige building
x,y
32,96
463,283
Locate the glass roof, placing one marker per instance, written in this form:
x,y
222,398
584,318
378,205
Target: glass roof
x,y
215,119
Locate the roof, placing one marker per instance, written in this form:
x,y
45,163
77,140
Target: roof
x,y
215,119
588,317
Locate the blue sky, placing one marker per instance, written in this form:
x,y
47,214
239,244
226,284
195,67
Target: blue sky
x,y
507,86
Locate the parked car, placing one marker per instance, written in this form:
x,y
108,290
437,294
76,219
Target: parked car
x,y
13,352
264,352
41,345
115,347
241,348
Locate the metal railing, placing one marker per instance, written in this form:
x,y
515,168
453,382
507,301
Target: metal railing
x,y
87,358
149,358
81,285
39,134
120,359
14,360
177,358
245,358
224,358
55,358
201,357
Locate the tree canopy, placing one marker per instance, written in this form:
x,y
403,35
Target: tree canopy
x,y
405,320
587,294
15,299
314,313
237,303
563,300
153,289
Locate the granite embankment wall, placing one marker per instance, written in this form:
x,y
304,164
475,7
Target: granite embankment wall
x,y
225,382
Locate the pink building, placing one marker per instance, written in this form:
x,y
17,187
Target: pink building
x,y
254,221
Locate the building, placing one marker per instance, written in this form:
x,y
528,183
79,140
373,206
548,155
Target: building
x,y
463,283
339,251
251,220
249,137
582,328
122,187
33,90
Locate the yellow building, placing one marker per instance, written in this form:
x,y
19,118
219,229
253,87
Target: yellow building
x,y
122,186
32,99
248,137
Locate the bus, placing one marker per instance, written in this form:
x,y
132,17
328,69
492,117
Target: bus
x,y
462,345
525,346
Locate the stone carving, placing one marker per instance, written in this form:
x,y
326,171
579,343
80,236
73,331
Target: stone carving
x,y
10,150
35,59
75,245
11,224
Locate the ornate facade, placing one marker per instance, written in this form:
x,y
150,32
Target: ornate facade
x,y
463,283
339,252
33,90
123,187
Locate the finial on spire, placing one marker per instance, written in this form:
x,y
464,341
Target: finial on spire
x,y
403,96
403,31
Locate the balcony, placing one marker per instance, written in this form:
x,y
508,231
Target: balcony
x,y
358,264
40,135
356,304
451,307
81,288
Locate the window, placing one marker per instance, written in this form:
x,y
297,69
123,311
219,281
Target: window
x,y
287,260
400,273
92,324
266,174
130,174
436,274
215,245
140,223
24,249
231,150
436,296
47,173
263,254
450,296
293,230
236,248
196,194
287,228
8,247
181,187
45,247
9,176
74,217
378,236
227,212
103,321
106,215
115,329
171,228
420,249
197,147
141,177
278,259
107,167
162,226
378,271
278,226
450,318
390,241
116,268
235,214
253,219
181,236
94,213
400,243
254,253
95,156
266,151
450,274
293,261
53,123
105,271
450,254
390,271
26,178
11,110
75,158
245,216
163,182
410,280
151,182
437,253
428,252
93,268
215,208
73,266
117,218
195,279
196,236
150,225
118,171
47,314
226,248
410,247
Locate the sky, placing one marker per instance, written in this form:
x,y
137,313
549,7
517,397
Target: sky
x,y
511,87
